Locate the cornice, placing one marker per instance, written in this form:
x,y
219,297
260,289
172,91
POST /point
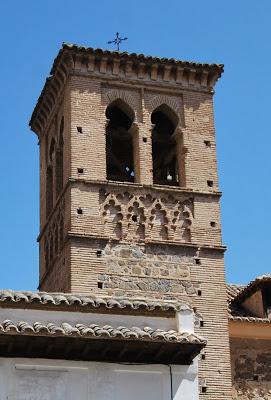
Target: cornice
x,y
158,188
196,246
99,63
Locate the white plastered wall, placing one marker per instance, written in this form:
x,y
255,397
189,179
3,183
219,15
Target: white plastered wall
x,y
39,379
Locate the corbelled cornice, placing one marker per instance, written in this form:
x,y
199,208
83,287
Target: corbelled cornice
x,y
114,65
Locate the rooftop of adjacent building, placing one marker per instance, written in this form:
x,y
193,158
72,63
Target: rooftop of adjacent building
x,y
251,302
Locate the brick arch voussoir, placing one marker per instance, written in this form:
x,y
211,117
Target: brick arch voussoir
x,y
113,95
157,101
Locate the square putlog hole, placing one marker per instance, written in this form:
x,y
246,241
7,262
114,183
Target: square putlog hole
x,y
210,183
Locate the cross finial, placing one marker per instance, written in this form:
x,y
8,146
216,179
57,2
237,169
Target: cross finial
x,y
117,41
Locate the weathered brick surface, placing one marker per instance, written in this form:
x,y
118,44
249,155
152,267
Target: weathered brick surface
x,y
251,368
138,238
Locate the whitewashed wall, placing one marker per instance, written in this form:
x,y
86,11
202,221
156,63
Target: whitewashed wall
x,y
39,379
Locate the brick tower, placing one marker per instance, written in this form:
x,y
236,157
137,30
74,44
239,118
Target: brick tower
x,y
129,198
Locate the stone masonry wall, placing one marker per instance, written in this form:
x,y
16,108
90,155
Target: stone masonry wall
x,y
251,369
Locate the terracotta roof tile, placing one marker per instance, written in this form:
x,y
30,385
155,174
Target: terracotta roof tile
x,y
238,292
252,285
57,299
139,57
94,330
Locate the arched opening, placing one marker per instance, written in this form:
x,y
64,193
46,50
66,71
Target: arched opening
x,y
52,149
49,190
46,254
164,148
119,142
59,161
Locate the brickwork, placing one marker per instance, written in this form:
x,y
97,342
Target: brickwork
x,y
137,239
251,368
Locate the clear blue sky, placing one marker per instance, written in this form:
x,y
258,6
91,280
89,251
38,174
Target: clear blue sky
x,y
236,33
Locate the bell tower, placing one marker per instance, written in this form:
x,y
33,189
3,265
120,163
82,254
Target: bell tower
x,y
129,197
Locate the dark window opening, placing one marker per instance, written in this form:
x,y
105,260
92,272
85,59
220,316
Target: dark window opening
x,y
52,149
79,129
204,389
80,170
79,211
49,190
119,143
100,285
213,224
59,162
99,253
266,295
47,256
164,154
199,292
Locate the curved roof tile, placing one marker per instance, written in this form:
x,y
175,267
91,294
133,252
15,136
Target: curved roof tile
x,y
94,330
57,299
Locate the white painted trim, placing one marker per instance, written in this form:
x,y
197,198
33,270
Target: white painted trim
x,y
73,318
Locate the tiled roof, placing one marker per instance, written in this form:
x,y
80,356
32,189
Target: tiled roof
x,y
93,330
133,56
58,299
252,286
236,293
233,290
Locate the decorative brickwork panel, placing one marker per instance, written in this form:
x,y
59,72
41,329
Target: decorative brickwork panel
x,y
54,236
134,217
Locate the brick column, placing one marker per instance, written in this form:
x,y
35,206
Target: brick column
x,y
144,147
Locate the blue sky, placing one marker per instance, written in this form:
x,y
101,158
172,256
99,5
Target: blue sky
x,y
235,33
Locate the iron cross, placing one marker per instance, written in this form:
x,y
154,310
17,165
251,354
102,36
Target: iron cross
x,y
117,41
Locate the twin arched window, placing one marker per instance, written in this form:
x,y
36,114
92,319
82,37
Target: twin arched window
x,y
120,146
